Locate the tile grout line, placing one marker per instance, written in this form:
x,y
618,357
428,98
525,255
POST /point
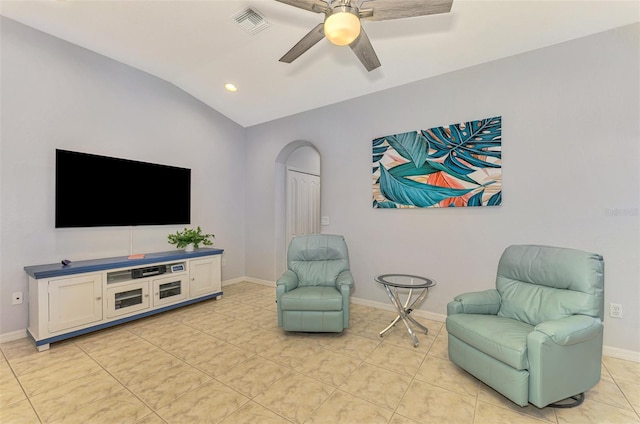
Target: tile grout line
x,y
125,387
24,392
323,344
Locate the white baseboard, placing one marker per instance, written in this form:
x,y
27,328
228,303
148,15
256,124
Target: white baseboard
x,y
14,335
613,352
258,281
627,355
233,281
387,307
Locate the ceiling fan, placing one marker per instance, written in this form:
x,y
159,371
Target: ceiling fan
x,y
342,26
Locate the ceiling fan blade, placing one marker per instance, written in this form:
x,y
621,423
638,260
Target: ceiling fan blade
x,y
364,50
304,44
384,10
310,5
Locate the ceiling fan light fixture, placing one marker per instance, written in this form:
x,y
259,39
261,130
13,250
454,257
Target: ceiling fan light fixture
x,y
342,26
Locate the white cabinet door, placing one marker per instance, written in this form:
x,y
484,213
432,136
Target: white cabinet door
x,y
75,301
204,276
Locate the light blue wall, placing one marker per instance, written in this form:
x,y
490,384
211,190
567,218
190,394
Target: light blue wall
x,y
57,95
571,166
571,156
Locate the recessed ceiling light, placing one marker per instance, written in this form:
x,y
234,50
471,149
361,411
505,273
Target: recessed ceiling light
x,y
230,87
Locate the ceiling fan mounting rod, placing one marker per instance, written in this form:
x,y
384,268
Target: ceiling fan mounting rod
x,y
328,10
344,9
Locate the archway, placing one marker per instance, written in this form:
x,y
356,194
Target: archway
x,y
302,156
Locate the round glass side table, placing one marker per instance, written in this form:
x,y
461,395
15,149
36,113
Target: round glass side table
x,y
421,285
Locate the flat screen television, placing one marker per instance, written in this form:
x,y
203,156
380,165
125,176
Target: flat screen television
x,y
101,191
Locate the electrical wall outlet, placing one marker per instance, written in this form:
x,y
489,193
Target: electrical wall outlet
x,y
615,310
16,298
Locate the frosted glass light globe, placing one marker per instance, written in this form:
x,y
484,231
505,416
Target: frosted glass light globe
x,y
342,28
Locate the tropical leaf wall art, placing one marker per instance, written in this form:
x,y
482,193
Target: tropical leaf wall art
x,y
454,166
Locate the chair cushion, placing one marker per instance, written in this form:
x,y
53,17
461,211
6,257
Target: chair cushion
x,y
544,283
312,298
535,304
317,259
502,338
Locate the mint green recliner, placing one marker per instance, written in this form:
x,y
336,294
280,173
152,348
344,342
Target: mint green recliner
x,y
313,293
537,337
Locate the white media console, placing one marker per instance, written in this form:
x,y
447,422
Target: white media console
x,y
69,300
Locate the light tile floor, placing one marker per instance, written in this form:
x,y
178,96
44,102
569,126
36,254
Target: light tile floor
x,y
226,361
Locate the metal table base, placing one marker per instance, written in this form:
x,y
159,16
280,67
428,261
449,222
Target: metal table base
x,y
405,309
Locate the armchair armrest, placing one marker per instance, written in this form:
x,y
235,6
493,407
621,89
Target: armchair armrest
x,y
565,357
485,302
344,279
570,330
344,283
288,281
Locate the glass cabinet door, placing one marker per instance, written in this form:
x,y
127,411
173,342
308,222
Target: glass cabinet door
x,y
127,298
169,290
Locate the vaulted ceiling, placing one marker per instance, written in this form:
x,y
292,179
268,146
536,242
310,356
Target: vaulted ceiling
x,y
199,46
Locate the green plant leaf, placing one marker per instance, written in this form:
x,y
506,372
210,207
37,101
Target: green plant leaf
x,y
464,145
476,199
411,146
429,167
408,192
384,205
496,199
379,148
190,236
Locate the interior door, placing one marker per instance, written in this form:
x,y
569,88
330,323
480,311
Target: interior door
x,y
303,203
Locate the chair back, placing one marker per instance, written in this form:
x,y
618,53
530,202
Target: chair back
x,y
317,259
542,283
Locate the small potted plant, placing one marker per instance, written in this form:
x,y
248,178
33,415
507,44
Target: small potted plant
x,y
190,239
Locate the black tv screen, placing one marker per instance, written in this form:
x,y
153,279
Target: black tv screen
x,y
101,191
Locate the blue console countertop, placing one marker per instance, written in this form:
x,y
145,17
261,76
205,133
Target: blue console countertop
x,y
80,267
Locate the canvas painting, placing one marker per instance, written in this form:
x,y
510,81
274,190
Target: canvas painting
x,y
457,165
